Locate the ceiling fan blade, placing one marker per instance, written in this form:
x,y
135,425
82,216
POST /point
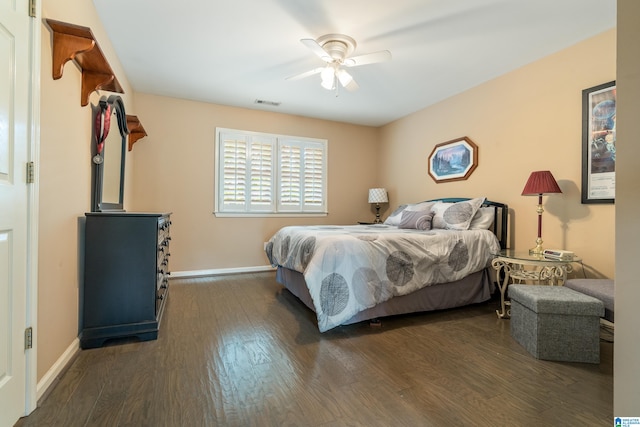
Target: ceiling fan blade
x,y
368,58
352,86
317,49
305,74
346,80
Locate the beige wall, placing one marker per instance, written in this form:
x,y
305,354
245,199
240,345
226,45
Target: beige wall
x,y
526,120
175,173
532,122
65,183
626,382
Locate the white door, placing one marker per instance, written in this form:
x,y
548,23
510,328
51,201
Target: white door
x,y
14,111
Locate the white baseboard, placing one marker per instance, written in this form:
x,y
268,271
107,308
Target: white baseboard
x,y
57,369
220,271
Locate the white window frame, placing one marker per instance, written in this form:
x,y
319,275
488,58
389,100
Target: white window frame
x,y
311,200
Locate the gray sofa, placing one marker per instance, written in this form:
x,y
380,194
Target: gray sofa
x,y
602,289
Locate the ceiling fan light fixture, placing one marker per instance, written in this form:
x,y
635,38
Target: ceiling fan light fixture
x,y
336,50
328,77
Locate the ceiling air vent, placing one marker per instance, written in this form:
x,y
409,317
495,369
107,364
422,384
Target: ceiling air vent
x,y
265,102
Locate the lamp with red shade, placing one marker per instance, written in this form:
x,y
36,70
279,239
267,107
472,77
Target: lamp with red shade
x,y
539,183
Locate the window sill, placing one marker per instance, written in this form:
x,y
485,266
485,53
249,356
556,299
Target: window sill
x,y
269,214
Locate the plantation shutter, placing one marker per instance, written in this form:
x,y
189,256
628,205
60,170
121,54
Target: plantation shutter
x,y
262,173
290,191
246,173
313,178
302,176
233,151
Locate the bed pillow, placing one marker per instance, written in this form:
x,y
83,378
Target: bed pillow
x,y
483,219
455,216
396,216
419,220
438,210
422,206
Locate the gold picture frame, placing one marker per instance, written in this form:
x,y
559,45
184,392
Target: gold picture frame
x,y
453,160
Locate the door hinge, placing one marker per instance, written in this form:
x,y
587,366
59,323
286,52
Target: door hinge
x,y
28,338
32,8
30,173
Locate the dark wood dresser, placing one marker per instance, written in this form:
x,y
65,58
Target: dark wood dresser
x,y
126,269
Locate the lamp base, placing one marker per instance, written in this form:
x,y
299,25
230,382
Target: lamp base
x,y
377,220
538,250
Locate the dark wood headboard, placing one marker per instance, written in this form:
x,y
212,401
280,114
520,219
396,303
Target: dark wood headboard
x,y
500,216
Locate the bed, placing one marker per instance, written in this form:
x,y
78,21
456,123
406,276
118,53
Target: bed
x,y
426,256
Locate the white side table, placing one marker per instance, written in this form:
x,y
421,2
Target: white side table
x,y
521,267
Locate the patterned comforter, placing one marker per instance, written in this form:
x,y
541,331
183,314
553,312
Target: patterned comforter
x,y
351,268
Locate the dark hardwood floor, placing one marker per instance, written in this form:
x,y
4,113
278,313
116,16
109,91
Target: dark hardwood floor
x,y
241,351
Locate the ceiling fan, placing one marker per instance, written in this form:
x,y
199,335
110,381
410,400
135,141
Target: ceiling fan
x,y
334,49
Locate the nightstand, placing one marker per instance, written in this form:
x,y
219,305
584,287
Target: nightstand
x,y
522,267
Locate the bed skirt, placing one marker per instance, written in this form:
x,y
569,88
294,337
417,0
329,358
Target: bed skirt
x,y
473,289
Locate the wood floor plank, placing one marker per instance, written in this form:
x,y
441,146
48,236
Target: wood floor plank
x,y
239,350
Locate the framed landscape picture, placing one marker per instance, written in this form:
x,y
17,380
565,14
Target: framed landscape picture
x,y
453,160
599,143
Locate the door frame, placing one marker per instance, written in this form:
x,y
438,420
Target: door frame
x,y
35,53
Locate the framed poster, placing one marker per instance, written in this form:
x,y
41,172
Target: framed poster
x,y
453,160
599,143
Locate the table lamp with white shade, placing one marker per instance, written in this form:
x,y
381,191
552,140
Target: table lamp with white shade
x,y
377,196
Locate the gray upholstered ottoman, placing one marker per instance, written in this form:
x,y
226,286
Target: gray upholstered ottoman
x,y
556,323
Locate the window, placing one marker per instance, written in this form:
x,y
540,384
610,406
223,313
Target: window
x,y
269,174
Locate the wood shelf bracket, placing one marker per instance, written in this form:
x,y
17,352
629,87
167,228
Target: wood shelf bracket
x,y
73,42
136,131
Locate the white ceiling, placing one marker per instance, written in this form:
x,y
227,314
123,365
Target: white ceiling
x,y
233,52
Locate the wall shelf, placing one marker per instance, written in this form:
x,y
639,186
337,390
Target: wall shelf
x,y
73,42
136,131
77,43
